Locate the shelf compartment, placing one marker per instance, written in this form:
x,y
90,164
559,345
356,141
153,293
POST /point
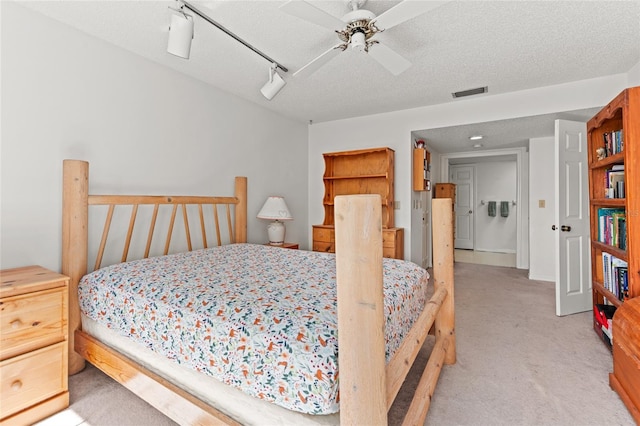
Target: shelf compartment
x,y
599,288
608,161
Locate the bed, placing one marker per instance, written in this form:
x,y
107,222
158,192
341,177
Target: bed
x,y
375,353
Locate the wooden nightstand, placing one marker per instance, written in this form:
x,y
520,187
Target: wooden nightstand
x,y
285,245
33,344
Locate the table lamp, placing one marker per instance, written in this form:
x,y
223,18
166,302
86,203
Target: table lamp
x,y
275,209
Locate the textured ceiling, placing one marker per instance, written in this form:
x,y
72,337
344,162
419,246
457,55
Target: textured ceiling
x,y
505,45
501,134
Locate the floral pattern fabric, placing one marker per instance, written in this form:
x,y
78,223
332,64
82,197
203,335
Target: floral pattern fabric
x,y
259,318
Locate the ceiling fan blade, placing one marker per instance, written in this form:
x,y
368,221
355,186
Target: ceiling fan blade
x,y
404,11
309,12
389,59
318,62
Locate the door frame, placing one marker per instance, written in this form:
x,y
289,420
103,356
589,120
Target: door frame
x,y
522,172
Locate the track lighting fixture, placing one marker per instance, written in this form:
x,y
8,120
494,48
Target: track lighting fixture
x,y
274,85
180,34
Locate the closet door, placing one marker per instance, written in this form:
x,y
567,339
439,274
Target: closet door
x,y
463,177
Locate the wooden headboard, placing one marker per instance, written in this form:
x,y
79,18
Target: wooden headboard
x,y
75,228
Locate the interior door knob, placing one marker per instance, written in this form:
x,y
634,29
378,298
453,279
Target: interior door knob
x,y
470,211
565,228
553,227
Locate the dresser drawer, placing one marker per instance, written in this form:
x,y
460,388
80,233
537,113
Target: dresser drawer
x,y
389,252
30,378
388,238
324,246
30,321
326,235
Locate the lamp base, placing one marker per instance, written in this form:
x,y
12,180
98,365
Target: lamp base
x,y
276,231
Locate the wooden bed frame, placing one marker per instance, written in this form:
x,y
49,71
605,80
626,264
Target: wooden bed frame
x,y
368,387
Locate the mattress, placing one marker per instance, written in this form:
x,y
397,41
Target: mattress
x,y
258,318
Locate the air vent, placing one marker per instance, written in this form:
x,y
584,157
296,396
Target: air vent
x,y
470,92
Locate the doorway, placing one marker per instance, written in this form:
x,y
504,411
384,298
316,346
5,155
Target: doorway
x,y
500,176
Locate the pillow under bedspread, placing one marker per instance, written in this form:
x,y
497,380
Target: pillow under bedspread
x,y
259,318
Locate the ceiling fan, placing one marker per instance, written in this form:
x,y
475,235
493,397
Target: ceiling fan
x,y
357,28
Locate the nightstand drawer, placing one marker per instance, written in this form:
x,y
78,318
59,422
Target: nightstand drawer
x,y
31,321
30,378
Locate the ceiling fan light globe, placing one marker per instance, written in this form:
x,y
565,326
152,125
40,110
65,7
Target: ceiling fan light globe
x,y
358,42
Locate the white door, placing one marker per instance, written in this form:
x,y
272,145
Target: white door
x,y
573,272
462,176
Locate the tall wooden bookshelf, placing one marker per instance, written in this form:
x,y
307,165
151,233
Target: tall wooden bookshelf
x,y
614,156
613,146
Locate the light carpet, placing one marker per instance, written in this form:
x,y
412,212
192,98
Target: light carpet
x,y
517,364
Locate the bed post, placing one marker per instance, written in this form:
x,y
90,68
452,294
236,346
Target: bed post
x,y
75,223
443,272
361,343
241,209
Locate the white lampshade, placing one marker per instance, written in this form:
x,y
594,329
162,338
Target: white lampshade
x,y
275,209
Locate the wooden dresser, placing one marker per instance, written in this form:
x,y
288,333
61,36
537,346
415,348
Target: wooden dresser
x,y
365,171
392,241
33,344
625,378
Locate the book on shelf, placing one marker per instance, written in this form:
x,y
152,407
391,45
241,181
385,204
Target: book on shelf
x,y
614,184
613,142
612,226
615,276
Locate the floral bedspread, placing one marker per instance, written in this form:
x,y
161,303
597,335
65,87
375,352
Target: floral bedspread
x,y
260,318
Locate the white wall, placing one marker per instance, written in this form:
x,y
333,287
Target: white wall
x,y
144,129
495,181
542,188
394,130
634,76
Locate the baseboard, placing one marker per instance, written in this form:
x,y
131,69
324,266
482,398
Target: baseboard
x,y
501,251
536,277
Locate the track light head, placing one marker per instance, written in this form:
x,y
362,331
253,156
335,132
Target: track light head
x,y
180,35
274,85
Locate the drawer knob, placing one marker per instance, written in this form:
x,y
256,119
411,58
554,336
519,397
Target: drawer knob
x,y
16,324
16,385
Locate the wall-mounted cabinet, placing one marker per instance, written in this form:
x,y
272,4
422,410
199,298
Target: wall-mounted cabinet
x,y
421,170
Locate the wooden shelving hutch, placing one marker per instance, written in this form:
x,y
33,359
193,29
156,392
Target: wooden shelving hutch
x,y
365,171
421,169
618,122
